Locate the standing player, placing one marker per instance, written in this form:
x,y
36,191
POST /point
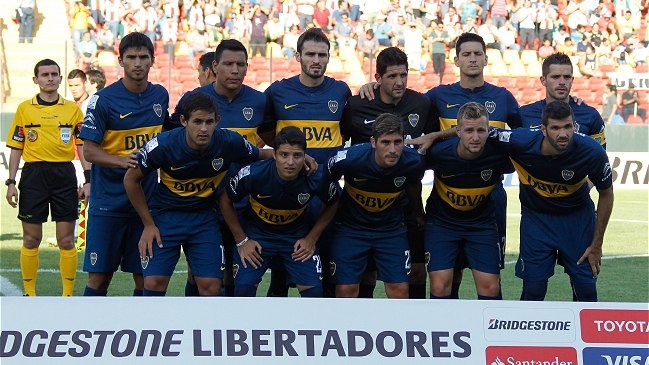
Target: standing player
x,y
558,215
206,73
418,115
42,133
274,218
313,103
77,84
370,217
119,121
192,162
460,210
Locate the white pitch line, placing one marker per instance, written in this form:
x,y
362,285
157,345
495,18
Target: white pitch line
x,y
8,289
612,219
604,257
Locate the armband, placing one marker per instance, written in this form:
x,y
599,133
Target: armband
x,y
86,175
242,242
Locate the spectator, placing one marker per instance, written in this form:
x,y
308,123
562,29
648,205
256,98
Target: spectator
x,y
605,53
290,42
322,17
26,25
605,19
469,9
484,6
507,35
355,10
105,38
80,22
211,15
470,26
623,56
197,42
585,43
498,12
288,14
633,41
275,29
611,103
195,15
336,16
87,49
368,46
449,19
589,63
567,48
640,54
559,36
527,25
266,6
438,39
382,30
216,35
489,34
172,11
399,39
627,25
344,32
129,25
258,35
305,9
546,50
454,33
373,9
147,19
414,34
393,14
577,34
630,102
362,26
546,18
113,12
515,7
596,35
577,11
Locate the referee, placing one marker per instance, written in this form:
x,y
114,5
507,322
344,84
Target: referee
x,y
43,133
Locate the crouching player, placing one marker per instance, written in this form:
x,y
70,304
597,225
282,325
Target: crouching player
x,y
370,217
192,162
274,223
460,211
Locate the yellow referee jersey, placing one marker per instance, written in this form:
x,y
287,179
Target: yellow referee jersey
x,y
46,133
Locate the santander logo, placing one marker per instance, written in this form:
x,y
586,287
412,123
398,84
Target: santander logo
x,y
529,355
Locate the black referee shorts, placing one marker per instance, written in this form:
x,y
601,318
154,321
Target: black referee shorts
x,y
44,185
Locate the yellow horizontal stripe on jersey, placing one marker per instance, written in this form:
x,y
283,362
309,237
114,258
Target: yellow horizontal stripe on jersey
x,y
446,123
275,216
249,133
371,201
461,198
319,133
195,188
123,142
545,188
599,137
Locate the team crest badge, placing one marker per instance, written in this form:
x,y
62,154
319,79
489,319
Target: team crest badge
x,y
157,108
248,113
303,198
413,119
217,163
333,106
398,181
576,127
332,268
567,174
486,174
32,135
66,135
144,261
235,270
491,106
93,258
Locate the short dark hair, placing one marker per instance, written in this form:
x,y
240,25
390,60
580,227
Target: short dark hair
x,y
199,101
45,62
471,110
386,123
391,56
556,110
77,73
136,40
469,37
97,77
205,62
555,59
312,34
231,45
290,135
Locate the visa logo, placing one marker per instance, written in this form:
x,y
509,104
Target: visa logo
x,y
615,356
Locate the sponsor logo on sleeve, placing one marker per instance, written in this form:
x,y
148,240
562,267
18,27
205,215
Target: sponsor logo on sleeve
x,y
511,355
615,326
92,103
519,325
615,356
504,136
152,144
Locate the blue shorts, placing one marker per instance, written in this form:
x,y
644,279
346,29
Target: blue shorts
x,y
545,236
198,234
443,246
308,273
111,242
349,254
499,196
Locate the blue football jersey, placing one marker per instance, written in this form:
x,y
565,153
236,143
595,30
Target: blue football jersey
x,y
555,184
121,122
500,103
189,179
588,120
370,192
276,207
461,196
315,110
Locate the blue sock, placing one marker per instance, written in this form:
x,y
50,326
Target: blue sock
x,y
534,290
443,297
245,291
191,290
484,297
138,292
585,292
315,292
455,290
228,290
153,293
90,292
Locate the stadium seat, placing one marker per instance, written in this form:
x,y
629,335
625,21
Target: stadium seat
x,y
607,68
510,56
257,63
449,78
280,74
535,69
499,69
486,71
274,50
262,76
641,68
106,58
181,49
346,52
431,80
415,79
352,65
625,69
494,55
335,65
524,83
506,82
279,64
529,56
357,78
517,69
634,120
